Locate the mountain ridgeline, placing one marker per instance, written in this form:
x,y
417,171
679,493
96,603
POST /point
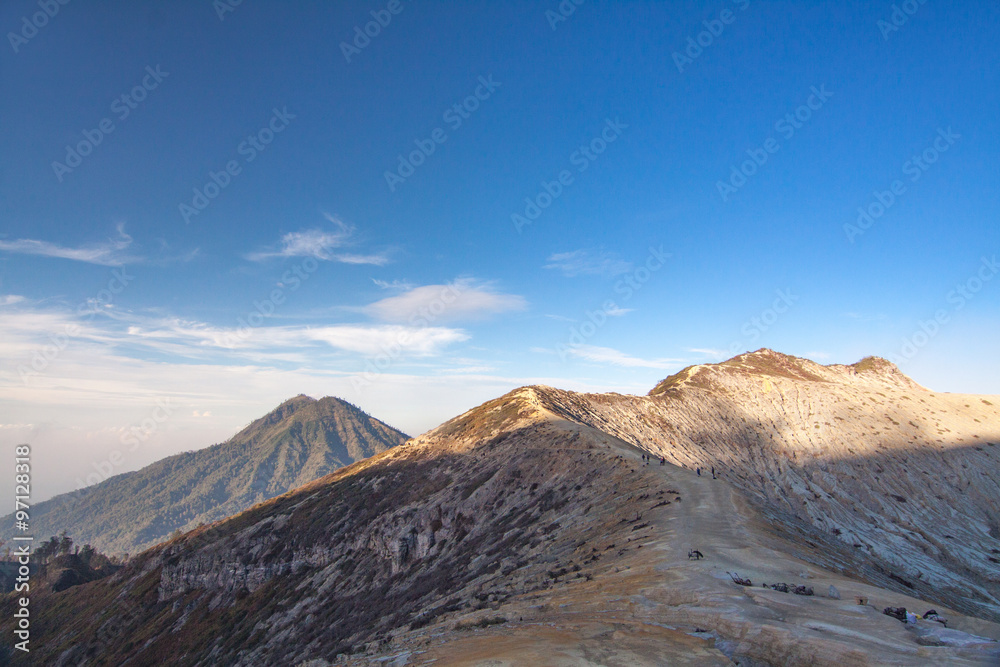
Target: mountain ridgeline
x,y
535,529
301,440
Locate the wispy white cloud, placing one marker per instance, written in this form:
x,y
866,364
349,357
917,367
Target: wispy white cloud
x,y
371,340
321,244
607,355
617,311
378,259
112,252
34,339
463,299
194,339
10,299
394,285
586,262
175,258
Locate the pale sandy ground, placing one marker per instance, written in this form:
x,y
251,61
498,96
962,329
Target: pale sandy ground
x,y
657,607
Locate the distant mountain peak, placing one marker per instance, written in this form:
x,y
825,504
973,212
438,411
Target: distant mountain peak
x,y
766,362
299,441
300,399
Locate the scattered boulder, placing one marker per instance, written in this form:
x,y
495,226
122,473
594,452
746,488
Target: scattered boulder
x,y
787,588
833,593
899,613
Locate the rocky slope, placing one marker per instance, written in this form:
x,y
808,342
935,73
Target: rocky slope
x,y
530,530
420,532
908,478
301,440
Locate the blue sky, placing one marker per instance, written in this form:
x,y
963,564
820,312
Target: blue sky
x,y
305,269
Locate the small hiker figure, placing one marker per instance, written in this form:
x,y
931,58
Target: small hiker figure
x,y
713,472
663,461
699,472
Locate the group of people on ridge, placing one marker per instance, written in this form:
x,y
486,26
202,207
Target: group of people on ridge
x,y
647,458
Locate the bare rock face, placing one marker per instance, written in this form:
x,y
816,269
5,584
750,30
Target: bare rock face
x,y
906,477
536,510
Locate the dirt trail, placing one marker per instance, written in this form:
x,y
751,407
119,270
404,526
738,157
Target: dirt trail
x,y
748,621
670,597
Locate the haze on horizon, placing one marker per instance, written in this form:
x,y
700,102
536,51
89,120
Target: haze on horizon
x,y
211,208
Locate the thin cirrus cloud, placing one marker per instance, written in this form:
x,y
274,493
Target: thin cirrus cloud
x,y
587,263
113,252
610,356
611,311
463,299
23,333
617,311
324,245
196,339
394,285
